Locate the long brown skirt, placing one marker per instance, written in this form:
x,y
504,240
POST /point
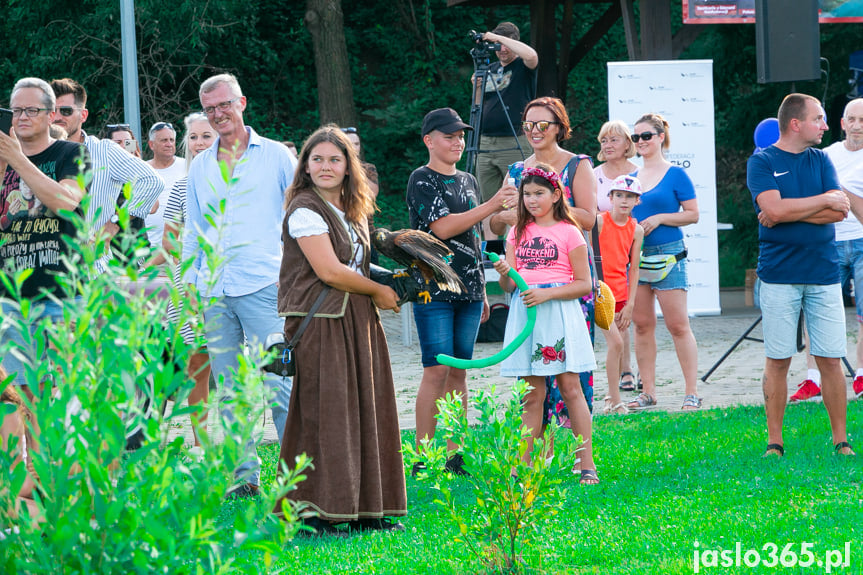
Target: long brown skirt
x,y
343,415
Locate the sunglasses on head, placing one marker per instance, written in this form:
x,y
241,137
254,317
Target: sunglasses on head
x,y
66,110
646,136
349,130
161,126
541,126
117,127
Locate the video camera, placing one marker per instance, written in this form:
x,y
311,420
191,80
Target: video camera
x,y
483,48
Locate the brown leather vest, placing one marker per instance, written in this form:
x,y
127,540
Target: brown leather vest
x,y
299,286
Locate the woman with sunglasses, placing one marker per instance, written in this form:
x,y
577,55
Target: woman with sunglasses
x,y
667,204
546,124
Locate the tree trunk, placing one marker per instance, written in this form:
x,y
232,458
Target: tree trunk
x,y
325,21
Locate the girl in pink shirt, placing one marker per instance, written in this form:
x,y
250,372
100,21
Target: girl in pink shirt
x,y
547,249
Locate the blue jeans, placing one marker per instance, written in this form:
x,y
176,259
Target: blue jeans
x,y
230,324
21,354
447,327
851,265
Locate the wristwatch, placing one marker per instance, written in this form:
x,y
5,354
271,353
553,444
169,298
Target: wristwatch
x,y
115,219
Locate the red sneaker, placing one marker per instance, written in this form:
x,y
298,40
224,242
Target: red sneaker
x,y
857,386
806,391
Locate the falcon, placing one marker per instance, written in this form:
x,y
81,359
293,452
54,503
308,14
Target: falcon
x,y
426,259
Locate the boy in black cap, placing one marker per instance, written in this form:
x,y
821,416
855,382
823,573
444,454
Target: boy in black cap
x,y
444,202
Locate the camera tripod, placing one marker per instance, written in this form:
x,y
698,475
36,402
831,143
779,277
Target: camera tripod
x,y
800,346
481,55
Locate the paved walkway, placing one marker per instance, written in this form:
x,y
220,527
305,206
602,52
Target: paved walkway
x,y
736,382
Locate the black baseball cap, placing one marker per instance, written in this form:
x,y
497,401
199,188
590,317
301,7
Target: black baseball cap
x,y
446,120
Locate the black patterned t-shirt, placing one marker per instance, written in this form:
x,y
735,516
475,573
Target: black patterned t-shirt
x,y
31,235
432,196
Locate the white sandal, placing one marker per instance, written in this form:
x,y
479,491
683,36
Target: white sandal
x,y
609,408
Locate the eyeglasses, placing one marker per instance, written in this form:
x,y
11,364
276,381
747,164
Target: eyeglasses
x,y
646,136
161,126
541,126
222,106
349,130
66,110
118,127
29,112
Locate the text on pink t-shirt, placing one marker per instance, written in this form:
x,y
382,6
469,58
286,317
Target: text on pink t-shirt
x,y
542,255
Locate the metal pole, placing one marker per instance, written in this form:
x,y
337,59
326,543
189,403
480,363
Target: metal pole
x,y
131,104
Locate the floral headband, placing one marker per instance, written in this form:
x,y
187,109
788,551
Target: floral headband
x,y
550,177
553,178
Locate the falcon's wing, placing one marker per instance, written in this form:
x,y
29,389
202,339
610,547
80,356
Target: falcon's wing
x,y
431,256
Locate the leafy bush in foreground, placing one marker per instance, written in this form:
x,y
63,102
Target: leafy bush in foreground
x,y
107,370
513,498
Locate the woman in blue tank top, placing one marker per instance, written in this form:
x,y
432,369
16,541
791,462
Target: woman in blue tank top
x,y
667,204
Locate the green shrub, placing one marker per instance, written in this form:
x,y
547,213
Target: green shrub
x,y
512,498
154,510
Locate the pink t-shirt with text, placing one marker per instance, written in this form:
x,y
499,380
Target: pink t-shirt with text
x,y
542,255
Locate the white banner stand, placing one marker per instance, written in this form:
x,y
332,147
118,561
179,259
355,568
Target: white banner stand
x,y
682,92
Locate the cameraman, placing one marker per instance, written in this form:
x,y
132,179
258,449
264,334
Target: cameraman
x,y
515,78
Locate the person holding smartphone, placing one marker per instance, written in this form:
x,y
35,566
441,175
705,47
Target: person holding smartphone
x,y
121,134
40,176
5,120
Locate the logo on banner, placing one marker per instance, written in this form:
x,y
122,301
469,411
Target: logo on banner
x,y
696,235
628,101
683,160
692,100
691,75
629,77
692,124
659,88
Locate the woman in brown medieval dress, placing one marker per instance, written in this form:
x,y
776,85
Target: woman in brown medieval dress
x,y
343,410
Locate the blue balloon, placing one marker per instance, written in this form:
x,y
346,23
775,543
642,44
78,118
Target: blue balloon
x,y
766,133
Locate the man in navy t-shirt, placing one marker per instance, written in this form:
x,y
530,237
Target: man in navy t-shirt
x,y
797,198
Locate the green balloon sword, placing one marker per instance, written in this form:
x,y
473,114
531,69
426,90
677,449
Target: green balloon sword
x,y
513,345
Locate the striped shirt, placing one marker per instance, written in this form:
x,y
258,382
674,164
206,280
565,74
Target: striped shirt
x,y
113,167
175,214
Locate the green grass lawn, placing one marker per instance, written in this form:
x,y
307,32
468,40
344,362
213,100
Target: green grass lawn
x,y
668,480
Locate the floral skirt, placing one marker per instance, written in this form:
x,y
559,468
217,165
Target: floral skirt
x,y
559,342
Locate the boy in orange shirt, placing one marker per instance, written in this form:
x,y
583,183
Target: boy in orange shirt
x,y
620,238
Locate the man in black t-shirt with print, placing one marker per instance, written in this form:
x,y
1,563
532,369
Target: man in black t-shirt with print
x,y
515,77
444,202
40,180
